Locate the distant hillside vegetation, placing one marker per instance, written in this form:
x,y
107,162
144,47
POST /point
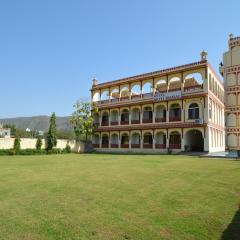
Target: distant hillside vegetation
x,y
40,123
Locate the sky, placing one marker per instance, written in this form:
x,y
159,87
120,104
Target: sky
x,y
51,49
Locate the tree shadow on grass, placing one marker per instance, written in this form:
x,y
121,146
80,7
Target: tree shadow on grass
x,y
232,232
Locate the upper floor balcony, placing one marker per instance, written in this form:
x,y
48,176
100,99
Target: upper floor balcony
x,y
162,90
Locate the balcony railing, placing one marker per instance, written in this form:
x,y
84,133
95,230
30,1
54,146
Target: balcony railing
x,y
133,145
147,120
160,146
163,119
175,146
147,145
105,123
104,101
114,123
174,118
126,122
147,95
193,88
170,94
105,145
124,98
115,100
124,145
136,96
135,121
113,145
95,145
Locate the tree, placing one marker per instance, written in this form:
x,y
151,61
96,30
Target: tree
x,y
52,133
39,143
82,120
65,134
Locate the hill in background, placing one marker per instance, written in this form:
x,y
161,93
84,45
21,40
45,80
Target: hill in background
x,y
39,123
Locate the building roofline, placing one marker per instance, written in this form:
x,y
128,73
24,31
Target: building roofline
x,y
153,74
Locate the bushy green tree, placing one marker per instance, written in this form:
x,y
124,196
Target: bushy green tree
x,y
82,120
65,134
39,143
52,133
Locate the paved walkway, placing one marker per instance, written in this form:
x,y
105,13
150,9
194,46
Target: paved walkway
x,y
231,155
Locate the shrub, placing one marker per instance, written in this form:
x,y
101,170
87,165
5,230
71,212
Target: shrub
x,y
39,143
32,151
16,145
67,149
4,152
55,151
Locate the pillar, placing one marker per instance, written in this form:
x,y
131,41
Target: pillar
x,y
130,116
141,144
153,141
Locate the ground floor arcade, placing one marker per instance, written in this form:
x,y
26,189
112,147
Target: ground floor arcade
x,y
160,140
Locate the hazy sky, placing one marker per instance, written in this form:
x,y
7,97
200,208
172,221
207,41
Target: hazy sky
x,y
51,49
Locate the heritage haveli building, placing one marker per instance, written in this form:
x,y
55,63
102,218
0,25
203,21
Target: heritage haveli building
x,y
230,70
181,108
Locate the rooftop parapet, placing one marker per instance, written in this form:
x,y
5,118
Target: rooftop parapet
x,y
233,41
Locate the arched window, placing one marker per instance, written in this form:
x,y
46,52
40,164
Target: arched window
x,y
147,115
160,114
114,95
193,81
135,116
136,91
175,112
105,96
114,117
174,84
125,141
193,111
105,141
105,119
147,140
161,85
135,140
160,140
175,140
114,140
147,88
125,117
124,93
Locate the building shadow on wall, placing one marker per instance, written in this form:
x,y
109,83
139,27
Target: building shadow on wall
x,y
232,232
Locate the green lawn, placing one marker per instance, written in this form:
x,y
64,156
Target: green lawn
x,y
100,196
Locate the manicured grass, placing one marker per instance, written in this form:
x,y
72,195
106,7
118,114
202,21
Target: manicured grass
x,y
118,197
